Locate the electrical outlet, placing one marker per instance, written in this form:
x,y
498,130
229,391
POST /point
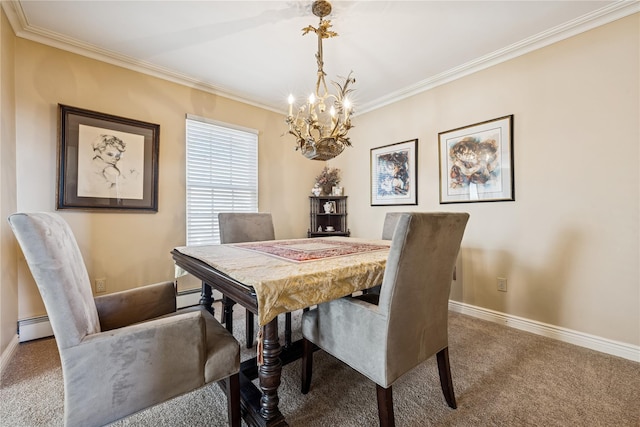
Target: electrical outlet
x,y
101,285
502,284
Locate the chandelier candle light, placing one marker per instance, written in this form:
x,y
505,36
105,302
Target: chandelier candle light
x,y
321,134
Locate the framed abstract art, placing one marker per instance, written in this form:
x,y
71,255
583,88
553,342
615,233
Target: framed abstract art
x,y
476,162
394,174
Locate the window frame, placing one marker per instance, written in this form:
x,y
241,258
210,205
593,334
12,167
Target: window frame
x,y
209,191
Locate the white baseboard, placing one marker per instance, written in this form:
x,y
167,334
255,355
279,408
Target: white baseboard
x,y
39,327
604,345
8,353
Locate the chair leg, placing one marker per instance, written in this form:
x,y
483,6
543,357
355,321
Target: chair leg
x,y
249,329
445,377
287,330
233,400
385,406
307,365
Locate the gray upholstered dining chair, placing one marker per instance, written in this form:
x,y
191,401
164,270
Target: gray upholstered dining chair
x,y
240,227
389,226
385,339
125,351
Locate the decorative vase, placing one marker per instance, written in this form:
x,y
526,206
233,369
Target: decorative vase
x,y
326,190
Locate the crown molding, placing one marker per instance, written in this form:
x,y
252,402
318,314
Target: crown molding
x,y
587,22
23,29
569,29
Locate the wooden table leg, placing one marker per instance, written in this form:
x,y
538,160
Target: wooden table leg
x,y
269,372
206,299
227,312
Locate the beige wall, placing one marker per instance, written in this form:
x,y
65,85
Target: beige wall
x,y
569,244
131,249
8,282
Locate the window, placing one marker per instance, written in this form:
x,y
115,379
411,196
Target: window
x,y
222,176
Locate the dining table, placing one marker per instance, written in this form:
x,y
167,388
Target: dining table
x,y
273,277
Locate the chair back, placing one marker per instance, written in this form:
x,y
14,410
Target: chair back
x,y
389,226
416,285
239,227
55,261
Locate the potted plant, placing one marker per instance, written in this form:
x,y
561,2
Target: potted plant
x,y
328,178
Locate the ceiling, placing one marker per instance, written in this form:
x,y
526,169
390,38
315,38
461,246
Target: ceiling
x,y
254,51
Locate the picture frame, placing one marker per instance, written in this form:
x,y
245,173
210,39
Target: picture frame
x,y
106,162
394,174
476,162
329,207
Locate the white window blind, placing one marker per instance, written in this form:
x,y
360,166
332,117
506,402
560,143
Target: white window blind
x,y
222,176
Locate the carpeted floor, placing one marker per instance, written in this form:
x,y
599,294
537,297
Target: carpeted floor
x,y
502,377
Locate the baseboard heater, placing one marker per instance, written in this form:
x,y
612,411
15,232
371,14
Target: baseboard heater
x,y
34,328
39,327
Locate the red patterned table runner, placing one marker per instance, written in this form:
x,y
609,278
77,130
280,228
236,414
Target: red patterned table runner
x,y
303,250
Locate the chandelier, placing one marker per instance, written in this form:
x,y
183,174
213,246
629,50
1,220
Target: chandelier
x,y
321,133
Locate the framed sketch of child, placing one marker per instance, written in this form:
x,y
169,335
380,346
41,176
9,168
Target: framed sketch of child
x,y
476,162
106,161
